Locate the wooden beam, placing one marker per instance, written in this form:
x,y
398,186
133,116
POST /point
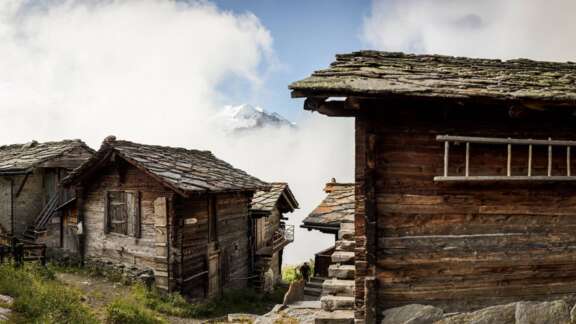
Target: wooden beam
x,y
467,159
21,186
446,157
568,171
509,161
549,159
503,178
530,160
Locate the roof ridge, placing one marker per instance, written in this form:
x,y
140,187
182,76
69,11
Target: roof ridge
x,y
176,148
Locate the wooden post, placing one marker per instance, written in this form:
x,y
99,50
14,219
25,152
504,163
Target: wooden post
x,y
446,153
549,158
509,161
467,159
530,160
568,171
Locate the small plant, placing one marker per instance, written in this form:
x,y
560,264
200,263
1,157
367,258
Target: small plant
x,y
38,298
129,311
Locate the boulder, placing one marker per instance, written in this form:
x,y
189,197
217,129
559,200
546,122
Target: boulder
x,y
6,300
4,314
501,314
554,312
412,314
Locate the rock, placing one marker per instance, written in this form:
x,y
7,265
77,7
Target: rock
x,y
573,314
555,312
501,314
412,314
242,318
4,314
6,300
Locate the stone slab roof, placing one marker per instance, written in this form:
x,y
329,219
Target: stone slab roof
x,y
279,196
181,169
336,208
373,73
23,157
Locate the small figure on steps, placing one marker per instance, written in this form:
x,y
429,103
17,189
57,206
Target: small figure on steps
x,y
305,271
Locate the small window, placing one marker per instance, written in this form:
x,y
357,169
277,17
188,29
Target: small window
x,y
122,214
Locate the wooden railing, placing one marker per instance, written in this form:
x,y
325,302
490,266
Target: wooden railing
x,y
21,251
509,142
48,210
282,237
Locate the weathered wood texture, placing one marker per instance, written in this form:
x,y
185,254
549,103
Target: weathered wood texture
x,y
123,249
192,237
190,244
465,245
233,230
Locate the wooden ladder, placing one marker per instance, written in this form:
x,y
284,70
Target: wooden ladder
x,y
530,143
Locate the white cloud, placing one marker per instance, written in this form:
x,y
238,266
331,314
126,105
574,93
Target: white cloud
x,y
149,71
535,29
128,67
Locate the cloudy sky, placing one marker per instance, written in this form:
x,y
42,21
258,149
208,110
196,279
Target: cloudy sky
x,y
158,71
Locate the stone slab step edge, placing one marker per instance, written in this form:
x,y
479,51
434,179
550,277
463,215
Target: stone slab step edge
x,y
331,303
342,271
343,257
336,317
338,287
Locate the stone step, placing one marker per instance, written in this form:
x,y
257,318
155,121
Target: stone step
x,y
342,271
331,303
346,234
345,245
343,257
347,226
338,287
312,291
315,284
318,279
336,317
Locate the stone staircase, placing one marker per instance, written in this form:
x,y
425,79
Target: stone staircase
x,y
338,291
313,288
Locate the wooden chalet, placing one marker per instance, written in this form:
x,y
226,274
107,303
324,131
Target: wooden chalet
x,y
335,216
335,209
30,194
271,233
183,214
464,183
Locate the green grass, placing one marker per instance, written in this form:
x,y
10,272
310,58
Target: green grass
x,y
39,298
232,301
129,311
291,273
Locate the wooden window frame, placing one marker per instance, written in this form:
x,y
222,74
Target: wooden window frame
x,y
136,228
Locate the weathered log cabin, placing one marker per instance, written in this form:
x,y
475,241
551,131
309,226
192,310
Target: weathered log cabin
x,y
271,233
182,214
30,191
464,181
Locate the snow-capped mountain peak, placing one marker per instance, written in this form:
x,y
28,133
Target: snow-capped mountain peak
x,y
245,117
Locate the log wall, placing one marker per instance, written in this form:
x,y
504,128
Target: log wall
x,y
134,252
233,231
460,246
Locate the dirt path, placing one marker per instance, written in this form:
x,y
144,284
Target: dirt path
x,y
99,292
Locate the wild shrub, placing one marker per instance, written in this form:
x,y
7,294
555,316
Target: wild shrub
x,y
128,311
38,298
